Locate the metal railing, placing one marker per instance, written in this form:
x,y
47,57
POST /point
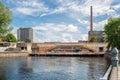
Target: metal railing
x,y
107,74
114,63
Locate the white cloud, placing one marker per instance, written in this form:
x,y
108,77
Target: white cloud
x,y
83,21
72,28
100,25
54,11
30,3
14,31
57,27
57,32
76,7
100,7
78,10
84,37
26,11
116,6
67,37
28,7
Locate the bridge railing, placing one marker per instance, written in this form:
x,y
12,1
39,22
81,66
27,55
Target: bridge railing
x,y
114,63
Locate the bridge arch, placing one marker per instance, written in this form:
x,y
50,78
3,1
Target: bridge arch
x,y
71,48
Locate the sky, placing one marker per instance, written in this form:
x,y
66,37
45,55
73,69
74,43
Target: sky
x,y
61,20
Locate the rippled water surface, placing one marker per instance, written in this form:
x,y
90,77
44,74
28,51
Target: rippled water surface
x,y
52,68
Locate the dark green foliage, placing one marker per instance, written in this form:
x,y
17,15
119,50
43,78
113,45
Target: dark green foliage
x,y
112,31
10,38
92,39
97,39
5,20
28,40
18,40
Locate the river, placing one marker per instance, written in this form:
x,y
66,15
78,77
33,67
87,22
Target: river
x,y
52,68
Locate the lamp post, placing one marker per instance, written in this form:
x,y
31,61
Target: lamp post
x,y
115,58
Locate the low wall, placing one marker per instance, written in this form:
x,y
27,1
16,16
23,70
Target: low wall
x,y
13,54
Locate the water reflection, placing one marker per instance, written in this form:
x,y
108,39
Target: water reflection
x,y
52,68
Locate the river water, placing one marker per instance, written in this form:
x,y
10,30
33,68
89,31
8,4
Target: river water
x,y
52,68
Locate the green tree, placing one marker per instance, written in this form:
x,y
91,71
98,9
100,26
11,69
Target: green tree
x,y
112,31
28,40
92,39
10,38
5,20
101,40
18,40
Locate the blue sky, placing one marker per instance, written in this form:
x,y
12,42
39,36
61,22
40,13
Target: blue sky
x,y
61,20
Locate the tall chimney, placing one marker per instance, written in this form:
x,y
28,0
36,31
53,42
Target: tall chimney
x,y
91,19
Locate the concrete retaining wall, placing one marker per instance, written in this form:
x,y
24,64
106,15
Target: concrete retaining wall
x,y
13,54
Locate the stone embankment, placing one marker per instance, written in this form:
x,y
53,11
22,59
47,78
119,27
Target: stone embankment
x,y
13,54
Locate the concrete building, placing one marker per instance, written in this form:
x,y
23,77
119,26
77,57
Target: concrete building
x,y
94,36
25,33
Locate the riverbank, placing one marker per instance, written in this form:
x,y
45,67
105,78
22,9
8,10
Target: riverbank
x,y
13,54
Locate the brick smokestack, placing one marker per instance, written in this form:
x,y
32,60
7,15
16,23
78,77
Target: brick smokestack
x,y
91,19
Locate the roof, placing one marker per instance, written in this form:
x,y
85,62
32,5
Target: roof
x,y
96,32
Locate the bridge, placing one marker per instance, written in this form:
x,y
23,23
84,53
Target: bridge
x,y
63,47
70,48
